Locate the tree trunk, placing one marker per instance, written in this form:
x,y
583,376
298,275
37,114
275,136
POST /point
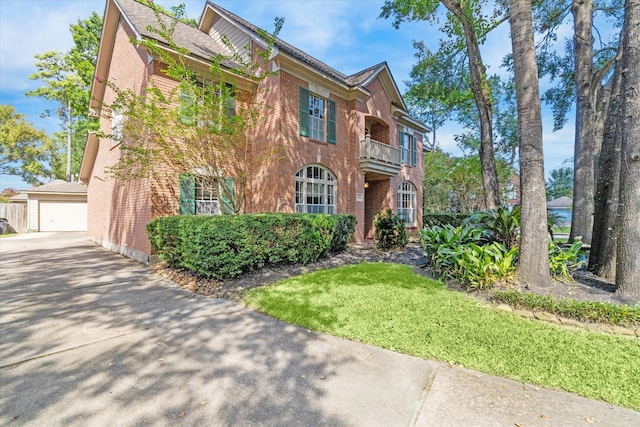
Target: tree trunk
x,y
69,137
628,254
602,257
482,96
584,149
533,264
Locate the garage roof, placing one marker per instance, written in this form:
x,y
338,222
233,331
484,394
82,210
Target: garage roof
x,y
59,186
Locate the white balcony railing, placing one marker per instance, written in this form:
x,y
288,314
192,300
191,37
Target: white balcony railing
x,y
370,149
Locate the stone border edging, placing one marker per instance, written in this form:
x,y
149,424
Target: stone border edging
x,y
557,320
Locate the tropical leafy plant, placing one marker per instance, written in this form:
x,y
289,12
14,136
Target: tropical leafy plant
x,y
562,262
502,224
466,254
485,250
481,267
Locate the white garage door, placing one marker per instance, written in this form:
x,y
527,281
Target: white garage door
x,y
63,216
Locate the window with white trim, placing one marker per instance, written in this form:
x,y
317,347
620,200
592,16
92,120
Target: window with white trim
x,y
315,189
317,117
206,196
407,207
409,147
192,108
203,195
116,125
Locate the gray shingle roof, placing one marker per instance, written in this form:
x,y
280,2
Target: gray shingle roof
x,y
361,76
560,202
198,43
202,45
59,186
284,46
21,197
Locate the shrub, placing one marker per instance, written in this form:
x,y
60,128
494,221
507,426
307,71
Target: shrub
x,y
226,246
164,237
455,219
391,231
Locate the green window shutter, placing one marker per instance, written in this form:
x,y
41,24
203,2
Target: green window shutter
x,y
186,106
187,194
331,131
414,150
304,111
227,196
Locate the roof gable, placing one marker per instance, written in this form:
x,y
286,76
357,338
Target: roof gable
x,y
140,18
210,12
366,76
203,45
357,81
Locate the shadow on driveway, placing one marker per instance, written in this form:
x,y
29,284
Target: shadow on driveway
x,y
91,337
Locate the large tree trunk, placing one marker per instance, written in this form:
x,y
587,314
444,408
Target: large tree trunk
x,y
602,257
585,146
628,257
482,96
533,265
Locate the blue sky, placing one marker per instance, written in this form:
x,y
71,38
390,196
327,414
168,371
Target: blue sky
x,y
347,35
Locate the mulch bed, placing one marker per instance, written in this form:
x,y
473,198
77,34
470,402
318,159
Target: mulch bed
x,y
585,287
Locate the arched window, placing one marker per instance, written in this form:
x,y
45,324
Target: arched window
x,y
407,207
315,190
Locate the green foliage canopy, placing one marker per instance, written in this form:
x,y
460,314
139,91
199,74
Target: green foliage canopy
x,y
66,79
455,183
24,150
560,183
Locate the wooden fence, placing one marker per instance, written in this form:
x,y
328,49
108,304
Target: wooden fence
x,y
16,216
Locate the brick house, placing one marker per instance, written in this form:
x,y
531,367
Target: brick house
x,y
349,143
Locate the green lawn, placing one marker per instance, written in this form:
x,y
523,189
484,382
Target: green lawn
x,y
389,306
8,235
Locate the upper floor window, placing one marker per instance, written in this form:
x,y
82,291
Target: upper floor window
x,y
116,125
315,190
318,124
409,147
205,101
407,199
317,117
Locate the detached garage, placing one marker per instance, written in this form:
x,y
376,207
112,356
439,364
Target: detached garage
x,y
57,206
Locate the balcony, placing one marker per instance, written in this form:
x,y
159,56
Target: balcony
x,y
377,158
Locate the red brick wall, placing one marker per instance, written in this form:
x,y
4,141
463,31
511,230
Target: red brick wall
x,y
377,197
119,211
274,185
378,105
379,132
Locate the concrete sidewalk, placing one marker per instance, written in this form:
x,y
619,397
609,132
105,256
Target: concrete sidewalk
x,y
92,338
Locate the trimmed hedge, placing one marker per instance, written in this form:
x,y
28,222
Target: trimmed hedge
x,y
226,246
441,219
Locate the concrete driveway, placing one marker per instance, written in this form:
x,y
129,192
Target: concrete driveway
x,y
92,338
